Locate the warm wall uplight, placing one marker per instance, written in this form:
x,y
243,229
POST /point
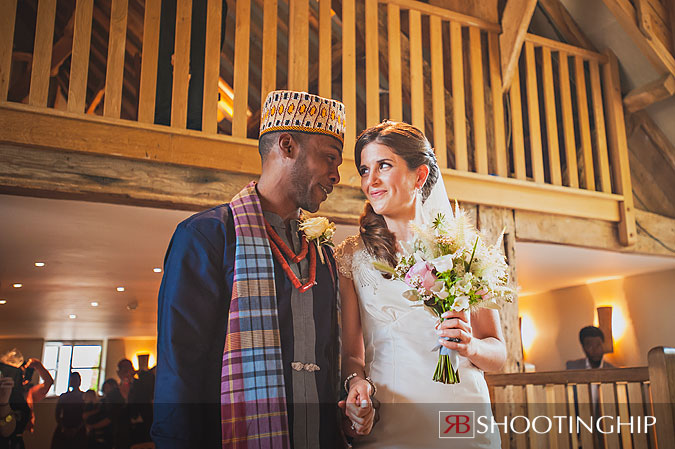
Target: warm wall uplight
x,y
618,323
151,359
120,289
3,301
527,332
17,285
157,270
39,264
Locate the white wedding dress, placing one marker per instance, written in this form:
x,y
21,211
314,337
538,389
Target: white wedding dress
x,y
399,339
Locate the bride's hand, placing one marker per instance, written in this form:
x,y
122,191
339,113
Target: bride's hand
x,y
456,325
358,407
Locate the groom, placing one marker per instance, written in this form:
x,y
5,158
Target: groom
x,y
247,344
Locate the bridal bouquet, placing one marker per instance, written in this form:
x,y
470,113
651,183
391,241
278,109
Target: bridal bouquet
x,y
449,267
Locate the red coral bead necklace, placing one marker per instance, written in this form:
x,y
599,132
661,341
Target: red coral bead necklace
x,y
278,246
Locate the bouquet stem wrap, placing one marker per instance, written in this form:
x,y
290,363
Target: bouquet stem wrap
x,y
448,364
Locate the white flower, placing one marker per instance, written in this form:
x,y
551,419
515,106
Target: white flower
x,y
461,303
443,263
317,228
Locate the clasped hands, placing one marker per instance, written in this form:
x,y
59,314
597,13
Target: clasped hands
x,y
358,407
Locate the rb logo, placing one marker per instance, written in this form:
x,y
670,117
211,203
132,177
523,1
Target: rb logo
x,y
456,424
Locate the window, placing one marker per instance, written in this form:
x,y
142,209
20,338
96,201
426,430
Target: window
x,y
61,358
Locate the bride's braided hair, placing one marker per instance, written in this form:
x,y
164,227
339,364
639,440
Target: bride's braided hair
x,y
410,144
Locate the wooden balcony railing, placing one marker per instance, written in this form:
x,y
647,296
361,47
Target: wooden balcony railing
x,y
589,394
553,142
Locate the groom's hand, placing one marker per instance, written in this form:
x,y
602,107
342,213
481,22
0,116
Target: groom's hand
x,y
358,407
457,327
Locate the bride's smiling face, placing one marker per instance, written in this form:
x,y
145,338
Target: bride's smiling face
x,y
387,181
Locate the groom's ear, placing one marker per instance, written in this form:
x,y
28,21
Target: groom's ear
x,y
288,145
422,175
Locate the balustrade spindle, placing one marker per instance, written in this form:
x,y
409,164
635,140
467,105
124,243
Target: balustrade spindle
x,y
298,44
568,121
478,101
517,137
637,402
551,119
241,61
325,52
600,132
211,67
416,72
148,86
584,123
533,114
349,72
181,64
7,20
268,81
497,105
42,53
79,63
394,39
372,64
438,90
114,77
459,107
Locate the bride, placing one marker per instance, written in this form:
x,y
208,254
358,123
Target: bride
x,y
388,345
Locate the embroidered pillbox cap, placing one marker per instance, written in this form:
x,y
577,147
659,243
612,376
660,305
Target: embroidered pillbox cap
x,y
286,110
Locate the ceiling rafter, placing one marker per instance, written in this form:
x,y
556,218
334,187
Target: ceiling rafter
x,y
655,50
515,22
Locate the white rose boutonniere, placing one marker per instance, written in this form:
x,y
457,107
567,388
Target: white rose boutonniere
x,y
319,230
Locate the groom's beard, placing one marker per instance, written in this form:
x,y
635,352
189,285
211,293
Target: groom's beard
x,y
301,185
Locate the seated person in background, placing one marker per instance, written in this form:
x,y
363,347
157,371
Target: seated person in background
x,y
592,340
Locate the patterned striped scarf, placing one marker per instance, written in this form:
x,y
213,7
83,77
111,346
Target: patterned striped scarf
x,y
252,394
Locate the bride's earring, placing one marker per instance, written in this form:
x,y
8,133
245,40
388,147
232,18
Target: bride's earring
x,y
418,204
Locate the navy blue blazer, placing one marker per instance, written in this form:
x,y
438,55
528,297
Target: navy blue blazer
x,y
193,306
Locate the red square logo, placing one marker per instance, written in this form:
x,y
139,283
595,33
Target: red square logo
x,y
456,424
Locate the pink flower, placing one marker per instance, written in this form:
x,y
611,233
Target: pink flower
x,y
421,273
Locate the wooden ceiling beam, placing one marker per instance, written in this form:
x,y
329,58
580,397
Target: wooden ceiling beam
x,y
644,96
652,48
563,22
515,21
547,228
652,130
